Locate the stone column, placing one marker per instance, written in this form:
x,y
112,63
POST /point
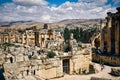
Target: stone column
x,y
102,35
45,37
26,41
9,37
22,38
117,38
36,35
109,35
42,40
39,39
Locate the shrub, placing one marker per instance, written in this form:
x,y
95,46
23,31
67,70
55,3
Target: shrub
x,y
51,54
8,44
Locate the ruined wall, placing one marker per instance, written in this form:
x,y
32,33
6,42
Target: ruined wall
x,y
19,70
110,33
51,70
81,63
110,60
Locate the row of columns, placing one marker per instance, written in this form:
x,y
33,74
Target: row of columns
x,y
111,28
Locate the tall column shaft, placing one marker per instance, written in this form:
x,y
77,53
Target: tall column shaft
x,y
109,35
117,39
101,35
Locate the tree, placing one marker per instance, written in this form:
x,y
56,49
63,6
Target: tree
x,y
66,34
76,34
66,47
51,54
45,26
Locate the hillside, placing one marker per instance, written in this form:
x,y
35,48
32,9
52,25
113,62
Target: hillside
x,y
64,23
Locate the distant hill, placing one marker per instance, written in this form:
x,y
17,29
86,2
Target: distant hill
x,y
8,24
63,23
83,23
79,20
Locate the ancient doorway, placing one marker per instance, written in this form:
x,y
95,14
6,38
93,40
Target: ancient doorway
x,y
66,66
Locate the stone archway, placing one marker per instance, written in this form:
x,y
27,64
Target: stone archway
x,y
96,41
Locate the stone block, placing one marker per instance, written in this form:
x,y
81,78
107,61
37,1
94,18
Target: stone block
x,y
115,71
19,76
26,58
19,57
96,78
24,73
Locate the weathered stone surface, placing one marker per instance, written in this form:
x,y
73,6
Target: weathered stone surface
x,y
115,71
26,58
23,64
111,60
36,62
2,56
24,73
11,68
19,76
11,49
19,57
96,78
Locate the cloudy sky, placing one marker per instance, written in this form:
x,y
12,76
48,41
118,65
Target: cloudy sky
x,y
55,10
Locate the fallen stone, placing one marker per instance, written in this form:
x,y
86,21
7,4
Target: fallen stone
x,y
115,71
96,78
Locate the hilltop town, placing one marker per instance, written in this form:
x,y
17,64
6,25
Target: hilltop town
x,y
42,51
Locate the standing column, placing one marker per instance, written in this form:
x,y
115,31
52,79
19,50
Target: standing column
x,y
116,38
109,35
26,41
22,41
36,34
102,35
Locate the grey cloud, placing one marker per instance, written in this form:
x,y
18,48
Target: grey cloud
x,y
95,2
68,10
31,2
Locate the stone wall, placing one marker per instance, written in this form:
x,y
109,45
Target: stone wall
x,y
110,60
19,70
2,56
81,63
